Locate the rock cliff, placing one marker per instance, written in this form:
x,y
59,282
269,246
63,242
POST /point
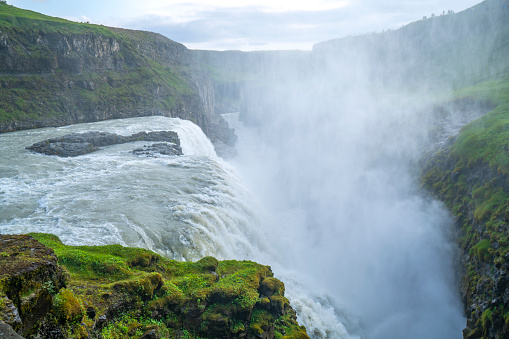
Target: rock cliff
x,y
55,72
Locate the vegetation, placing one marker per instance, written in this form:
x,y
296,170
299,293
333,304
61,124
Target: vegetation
x,y
471,176
118,292
487,139
14,18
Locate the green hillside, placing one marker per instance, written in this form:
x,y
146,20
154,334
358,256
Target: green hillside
x,y
55,72
16,18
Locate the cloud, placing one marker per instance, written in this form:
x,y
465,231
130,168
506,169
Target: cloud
x,y
267,5
254,26
82,18
249,24
258,25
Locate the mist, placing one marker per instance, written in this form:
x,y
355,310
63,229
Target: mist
x,y
339,179
334,156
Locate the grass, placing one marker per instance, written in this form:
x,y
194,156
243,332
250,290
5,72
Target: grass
x,y
486,139
19,19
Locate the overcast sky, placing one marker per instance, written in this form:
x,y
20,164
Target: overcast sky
x,y
248,24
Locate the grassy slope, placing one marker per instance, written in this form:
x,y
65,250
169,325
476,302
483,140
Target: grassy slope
x,y
471,177
15,18
487,139
140,291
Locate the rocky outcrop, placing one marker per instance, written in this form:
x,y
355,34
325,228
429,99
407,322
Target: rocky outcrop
x,y
120,292
75,144
29,279
7,332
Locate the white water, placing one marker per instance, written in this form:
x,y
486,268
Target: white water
x,y
184,207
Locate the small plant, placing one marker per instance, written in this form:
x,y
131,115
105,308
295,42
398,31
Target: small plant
x,y
50,287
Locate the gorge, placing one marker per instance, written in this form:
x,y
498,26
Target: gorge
x,y
371,172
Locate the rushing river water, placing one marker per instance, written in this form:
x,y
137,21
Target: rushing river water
x,y
184,207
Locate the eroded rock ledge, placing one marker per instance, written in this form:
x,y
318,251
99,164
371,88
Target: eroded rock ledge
x,y
75,144
120,292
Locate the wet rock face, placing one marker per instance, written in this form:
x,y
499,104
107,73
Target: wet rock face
x,y
29,278
225,151
75,144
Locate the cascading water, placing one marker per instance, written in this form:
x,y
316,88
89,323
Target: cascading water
x,y
184,207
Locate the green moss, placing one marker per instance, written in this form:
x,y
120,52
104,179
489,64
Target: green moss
x,y
141,291
486,320
481,249
208,264
279,303
68,307
127,326
260,322
270,286
143,286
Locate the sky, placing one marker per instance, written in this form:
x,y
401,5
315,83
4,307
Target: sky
x,y
248,24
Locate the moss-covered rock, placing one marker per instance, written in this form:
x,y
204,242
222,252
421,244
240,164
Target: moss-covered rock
x,y
118,292
29,279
